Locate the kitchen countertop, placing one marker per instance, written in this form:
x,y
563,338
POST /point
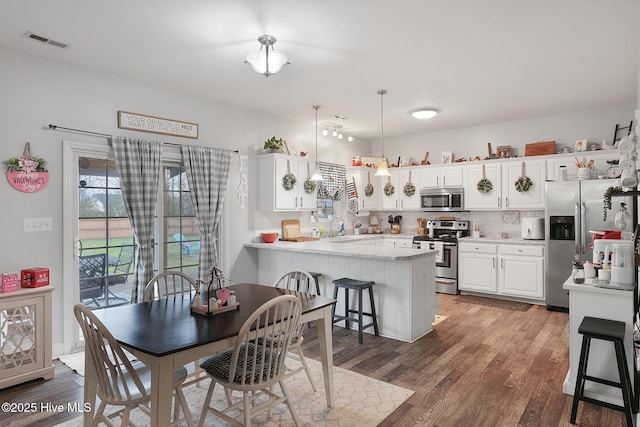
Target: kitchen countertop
x,y
351,245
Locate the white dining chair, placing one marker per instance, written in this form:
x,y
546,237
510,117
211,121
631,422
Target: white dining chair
x,y
256,362
304,282
175,284
122,382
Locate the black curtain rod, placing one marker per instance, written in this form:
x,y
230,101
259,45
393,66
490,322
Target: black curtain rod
x,y
56,127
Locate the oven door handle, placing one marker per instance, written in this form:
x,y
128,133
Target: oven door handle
x,y
446,281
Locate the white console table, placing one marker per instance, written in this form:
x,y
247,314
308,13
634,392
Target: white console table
x,y
25,336
589,300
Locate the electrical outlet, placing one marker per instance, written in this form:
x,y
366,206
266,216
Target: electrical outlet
x,y
33,225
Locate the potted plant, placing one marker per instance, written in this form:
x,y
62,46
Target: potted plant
x,y
274,144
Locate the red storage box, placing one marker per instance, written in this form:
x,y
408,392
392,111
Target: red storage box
x,y
10,282
35,277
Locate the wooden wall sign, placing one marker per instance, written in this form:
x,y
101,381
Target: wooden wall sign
x,y
152,124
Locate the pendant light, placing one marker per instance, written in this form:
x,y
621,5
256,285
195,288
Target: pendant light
x,y
317,176
383,168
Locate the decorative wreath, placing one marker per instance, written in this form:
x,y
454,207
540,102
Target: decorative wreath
x,y
523,184
288,181
368,190
389,189
409,189
484,185
309,186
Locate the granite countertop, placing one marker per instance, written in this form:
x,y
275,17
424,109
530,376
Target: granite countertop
x,y
353,246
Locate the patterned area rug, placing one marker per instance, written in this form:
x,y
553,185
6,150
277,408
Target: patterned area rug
x,y
359,401
493,302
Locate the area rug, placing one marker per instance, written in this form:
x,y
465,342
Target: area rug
x,y
493,302
360,401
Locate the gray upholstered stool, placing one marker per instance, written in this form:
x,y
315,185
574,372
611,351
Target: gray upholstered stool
x,y
607,330
358,286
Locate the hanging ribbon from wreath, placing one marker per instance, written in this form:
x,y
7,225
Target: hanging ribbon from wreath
x,y
27,173
409,189
368,190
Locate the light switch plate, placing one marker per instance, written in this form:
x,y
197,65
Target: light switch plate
x,y
32,225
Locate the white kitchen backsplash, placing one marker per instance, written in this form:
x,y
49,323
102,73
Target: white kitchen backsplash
x,y
492,223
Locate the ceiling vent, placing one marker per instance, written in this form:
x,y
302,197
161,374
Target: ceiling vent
x,y
30,35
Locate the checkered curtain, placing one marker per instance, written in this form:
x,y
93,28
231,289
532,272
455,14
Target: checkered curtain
x,y
139,167
334,179
208,175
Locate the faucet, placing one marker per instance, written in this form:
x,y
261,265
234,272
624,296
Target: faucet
x,y
335,233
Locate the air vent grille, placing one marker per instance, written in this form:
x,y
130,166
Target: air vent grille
x,y
46,40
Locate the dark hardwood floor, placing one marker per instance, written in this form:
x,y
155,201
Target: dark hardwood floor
x,y
485,365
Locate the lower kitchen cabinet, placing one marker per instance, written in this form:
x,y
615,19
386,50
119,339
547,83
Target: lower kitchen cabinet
x,y
502,269
477,267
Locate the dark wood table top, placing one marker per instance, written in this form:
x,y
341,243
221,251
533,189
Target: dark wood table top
x,y
167,326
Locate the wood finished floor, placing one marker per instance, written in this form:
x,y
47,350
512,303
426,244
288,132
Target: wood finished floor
x,y
482,366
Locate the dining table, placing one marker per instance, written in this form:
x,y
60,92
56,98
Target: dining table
x,y
165,335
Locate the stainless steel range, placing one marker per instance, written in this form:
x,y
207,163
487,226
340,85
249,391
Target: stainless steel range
x,y
443,237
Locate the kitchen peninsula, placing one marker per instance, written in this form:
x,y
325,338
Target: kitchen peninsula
x,y
405,277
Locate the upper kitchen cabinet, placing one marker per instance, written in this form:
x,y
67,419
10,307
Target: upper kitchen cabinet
x,y
277,193
523,184
482,186
366,186
436,176
600,166
394,195
502,185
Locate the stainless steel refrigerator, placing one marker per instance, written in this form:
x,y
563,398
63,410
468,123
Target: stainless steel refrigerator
x,y
572,209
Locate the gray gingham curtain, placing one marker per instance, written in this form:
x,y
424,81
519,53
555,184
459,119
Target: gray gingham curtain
x,y
334,179
207,172
139,167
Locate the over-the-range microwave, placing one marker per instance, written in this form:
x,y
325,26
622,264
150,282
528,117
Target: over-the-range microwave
x,y
449,199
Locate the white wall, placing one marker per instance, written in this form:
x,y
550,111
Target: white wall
x,y
36,92
594,125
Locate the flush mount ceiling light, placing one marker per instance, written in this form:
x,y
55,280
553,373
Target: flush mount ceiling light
x,y
267,61
317,176
424,113
383,168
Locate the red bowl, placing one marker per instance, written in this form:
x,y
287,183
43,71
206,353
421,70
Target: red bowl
x,y
269,237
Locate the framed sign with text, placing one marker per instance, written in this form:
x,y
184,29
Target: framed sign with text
x,y
152,124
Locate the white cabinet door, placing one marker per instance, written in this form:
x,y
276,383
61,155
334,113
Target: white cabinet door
x,y
391,201
451,176
446,176
475,199
534,197
364,177
286,199
307,201
429,177
521,271
477,267
411,202
522,276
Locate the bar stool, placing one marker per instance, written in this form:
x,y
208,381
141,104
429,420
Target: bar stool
x,y
607,330
359,286
315,278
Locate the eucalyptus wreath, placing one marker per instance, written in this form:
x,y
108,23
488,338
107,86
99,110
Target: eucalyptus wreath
x,y
309,186
523,184
409,189
288,181
368,190
484,185
389,189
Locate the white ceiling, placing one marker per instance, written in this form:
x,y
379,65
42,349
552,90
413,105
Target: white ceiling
x,y
477,61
